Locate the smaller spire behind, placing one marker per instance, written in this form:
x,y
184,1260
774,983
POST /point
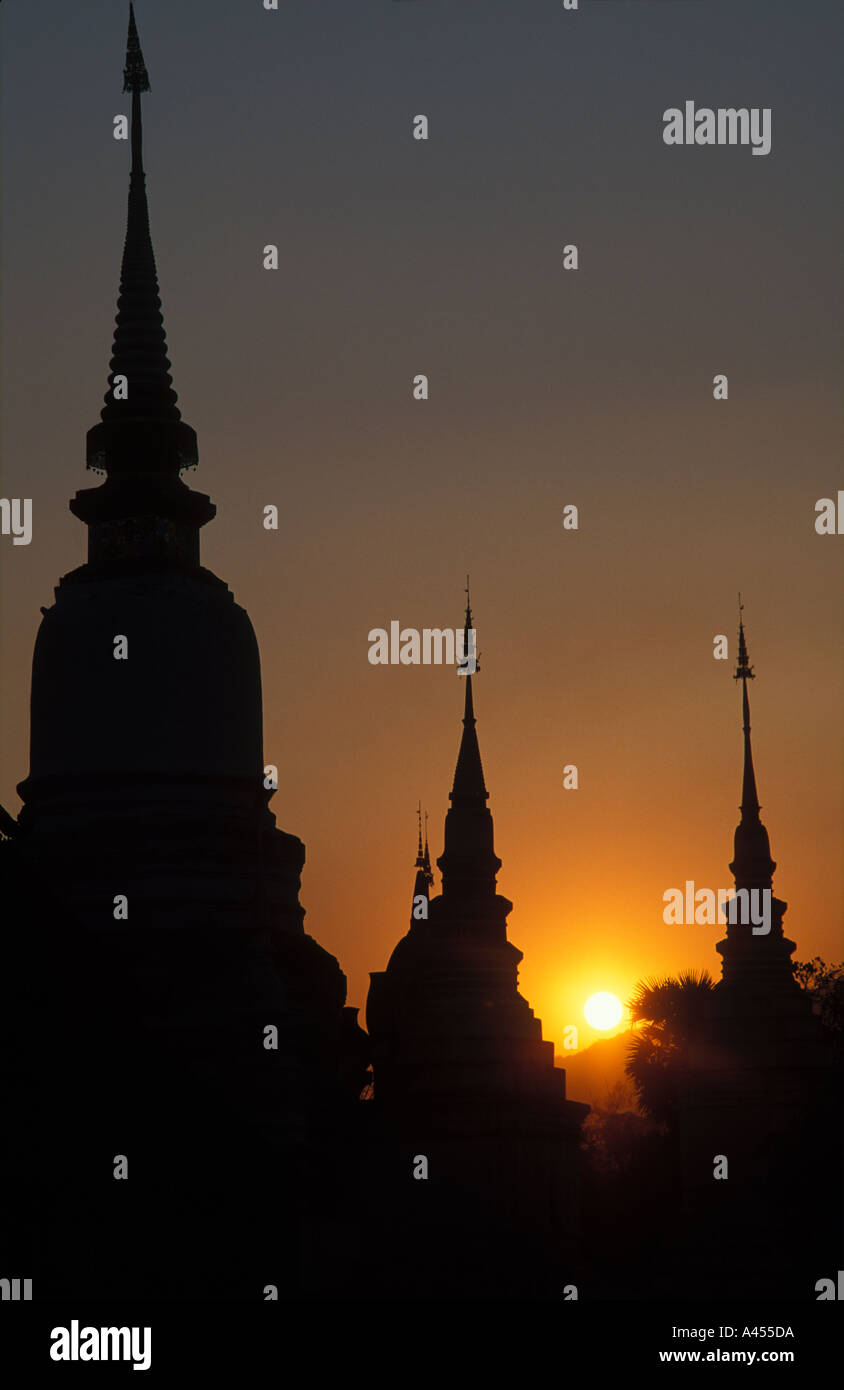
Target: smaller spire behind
x,y
419,854
423,858
424,878
427,856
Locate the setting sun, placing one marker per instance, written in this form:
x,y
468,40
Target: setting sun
x,y
602,1010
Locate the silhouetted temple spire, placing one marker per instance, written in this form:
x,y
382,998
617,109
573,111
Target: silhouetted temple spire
x,y
469,788
143,430
423,858
468,863
753,959
461,1069
143,512
135,75
424,878
426,857
752,866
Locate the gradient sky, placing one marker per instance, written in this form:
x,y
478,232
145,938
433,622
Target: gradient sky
x,y
547,388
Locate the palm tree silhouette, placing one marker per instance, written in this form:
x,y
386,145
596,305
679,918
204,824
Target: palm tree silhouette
x,y
665,1013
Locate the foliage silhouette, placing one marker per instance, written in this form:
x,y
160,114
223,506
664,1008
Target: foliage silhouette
x,y
668,1011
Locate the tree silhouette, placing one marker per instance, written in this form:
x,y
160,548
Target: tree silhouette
x,y
825,986
665,1013
611,1130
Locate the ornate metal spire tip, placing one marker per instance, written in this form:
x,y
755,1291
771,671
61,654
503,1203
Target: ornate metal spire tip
x,y
744,670
135,75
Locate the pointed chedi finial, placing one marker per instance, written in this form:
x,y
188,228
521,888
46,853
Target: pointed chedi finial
x,y
470,655
752,866
753,961
469,776
141,429
143,513
135,75
469,863
424,878
744,670
426,856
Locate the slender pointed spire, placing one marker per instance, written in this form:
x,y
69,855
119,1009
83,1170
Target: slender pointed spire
x,y
143,514
423,858
469,863
135,75
141,431
426,856
470,655
469,787
752,866
424,878
745,673
751,961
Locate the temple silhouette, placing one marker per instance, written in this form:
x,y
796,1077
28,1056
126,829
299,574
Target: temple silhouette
x,y
464,1080
761,1090
194,1110
162,902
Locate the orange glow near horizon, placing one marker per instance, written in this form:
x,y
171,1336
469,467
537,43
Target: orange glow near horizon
x,y
659,770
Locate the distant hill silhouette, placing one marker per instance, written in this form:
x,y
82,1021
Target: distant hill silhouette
x,y
594,1072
